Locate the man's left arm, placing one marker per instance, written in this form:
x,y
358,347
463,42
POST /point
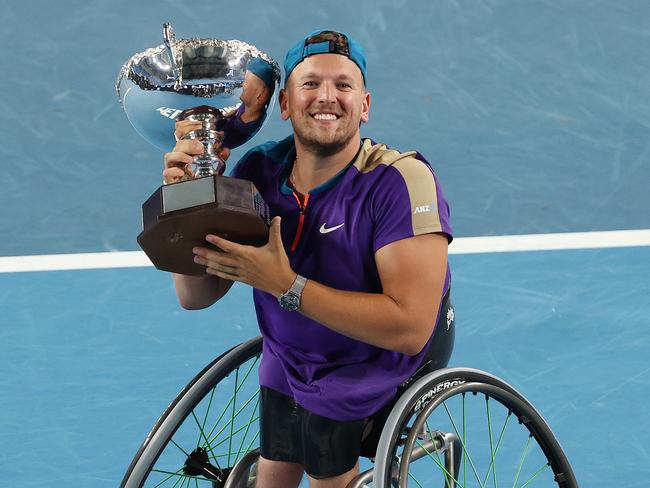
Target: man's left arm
x,y
401,318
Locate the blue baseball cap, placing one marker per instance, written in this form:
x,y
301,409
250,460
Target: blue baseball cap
x,y
323,42
263,70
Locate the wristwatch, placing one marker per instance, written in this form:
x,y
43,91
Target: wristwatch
x,y
290,300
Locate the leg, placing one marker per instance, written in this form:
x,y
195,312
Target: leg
x,y
340,481
278,474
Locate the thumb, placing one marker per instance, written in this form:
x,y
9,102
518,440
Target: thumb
x,y
276,236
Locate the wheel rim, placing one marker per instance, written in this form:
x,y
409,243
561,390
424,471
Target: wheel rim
x,y
216,433
501,439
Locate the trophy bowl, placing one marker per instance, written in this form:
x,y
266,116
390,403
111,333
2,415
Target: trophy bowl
x,y
228,87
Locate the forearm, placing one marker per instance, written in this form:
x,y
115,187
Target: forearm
x,y
197,292
374,318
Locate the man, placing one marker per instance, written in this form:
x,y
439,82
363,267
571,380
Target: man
x,y
354,276
257,90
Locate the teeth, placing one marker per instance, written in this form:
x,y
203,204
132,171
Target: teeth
x,y
325,117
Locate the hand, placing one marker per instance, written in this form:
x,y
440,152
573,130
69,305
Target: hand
x,y
266,268
178,162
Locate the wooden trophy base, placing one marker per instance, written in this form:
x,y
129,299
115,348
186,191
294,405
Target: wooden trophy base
x,y
177,217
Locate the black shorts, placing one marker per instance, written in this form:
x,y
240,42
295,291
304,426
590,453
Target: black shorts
x,y
326,447
288,432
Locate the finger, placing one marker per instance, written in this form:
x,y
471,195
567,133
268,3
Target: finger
x,y
224,275
224,153
177,159
183,127
181,124
173,175
201,260
275,232
233,270
215,258
225,245
189,146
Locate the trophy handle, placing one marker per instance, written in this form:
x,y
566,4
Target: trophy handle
x,y
169,38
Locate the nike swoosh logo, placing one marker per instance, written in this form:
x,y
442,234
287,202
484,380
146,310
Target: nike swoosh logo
x,y
323,230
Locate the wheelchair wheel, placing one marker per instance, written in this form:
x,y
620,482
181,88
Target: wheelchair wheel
x,y
208,428
461,427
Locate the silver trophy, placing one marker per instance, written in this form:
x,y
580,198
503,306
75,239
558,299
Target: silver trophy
x,y
226,85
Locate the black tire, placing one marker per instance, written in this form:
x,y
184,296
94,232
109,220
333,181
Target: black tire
x,y
428,402
201,390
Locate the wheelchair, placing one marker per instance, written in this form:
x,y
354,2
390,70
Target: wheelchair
x,y
454,427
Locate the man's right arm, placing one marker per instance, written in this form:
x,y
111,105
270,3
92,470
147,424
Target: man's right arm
x,y
197,292
194,292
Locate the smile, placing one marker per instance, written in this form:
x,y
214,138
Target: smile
x,y
325,116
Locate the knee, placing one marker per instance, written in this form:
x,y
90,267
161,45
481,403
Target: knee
x,y
277,474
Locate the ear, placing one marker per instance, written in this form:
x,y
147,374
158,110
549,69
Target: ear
x,y
365,108
262,94
284,104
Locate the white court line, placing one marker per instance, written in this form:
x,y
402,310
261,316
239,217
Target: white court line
x,y
461,245
551,242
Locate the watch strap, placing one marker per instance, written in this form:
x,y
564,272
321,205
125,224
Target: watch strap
x,y
298,285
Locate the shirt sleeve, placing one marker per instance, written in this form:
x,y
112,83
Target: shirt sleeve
x,y
237,132
408,201
244,167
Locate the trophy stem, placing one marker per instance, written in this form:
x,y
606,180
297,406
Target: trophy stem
x,y
208,163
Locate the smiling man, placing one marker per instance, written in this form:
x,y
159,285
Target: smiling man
x,y
352,290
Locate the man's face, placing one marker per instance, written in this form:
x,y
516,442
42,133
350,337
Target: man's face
x,y
254,91
326,100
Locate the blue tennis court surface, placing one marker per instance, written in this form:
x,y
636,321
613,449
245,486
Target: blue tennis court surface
x,y
92,358
534,114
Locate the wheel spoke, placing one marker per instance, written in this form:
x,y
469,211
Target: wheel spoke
x,y
469,458
177,473
253,441
232,419
540,471
416,480
250,421
202,434
521,461
496,451
227,406
168,477
464,444
440,465
205,418
447,476
222,441
492,466
216,436
179,447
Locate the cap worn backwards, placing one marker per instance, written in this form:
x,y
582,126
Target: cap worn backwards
x,y
263,70
323,42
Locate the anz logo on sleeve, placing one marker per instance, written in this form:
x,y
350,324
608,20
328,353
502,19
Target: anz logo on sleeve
x,y
432,207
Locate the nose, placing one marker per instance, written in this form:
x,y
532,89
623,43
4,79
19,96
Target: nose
x,y
326,92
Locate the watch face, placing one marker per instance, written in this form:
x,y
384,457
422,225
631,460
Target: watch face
x,y
290,302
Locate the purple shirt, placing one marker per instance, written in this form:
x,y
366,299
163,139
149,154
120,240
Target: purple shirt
x,y
236,132
382,196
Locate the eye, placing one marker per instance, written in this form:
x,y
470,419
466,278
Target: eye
x,y
344,85
309,84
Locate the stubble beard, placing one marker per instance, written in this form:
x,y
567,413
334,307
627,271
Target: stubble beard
x,y
319,145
